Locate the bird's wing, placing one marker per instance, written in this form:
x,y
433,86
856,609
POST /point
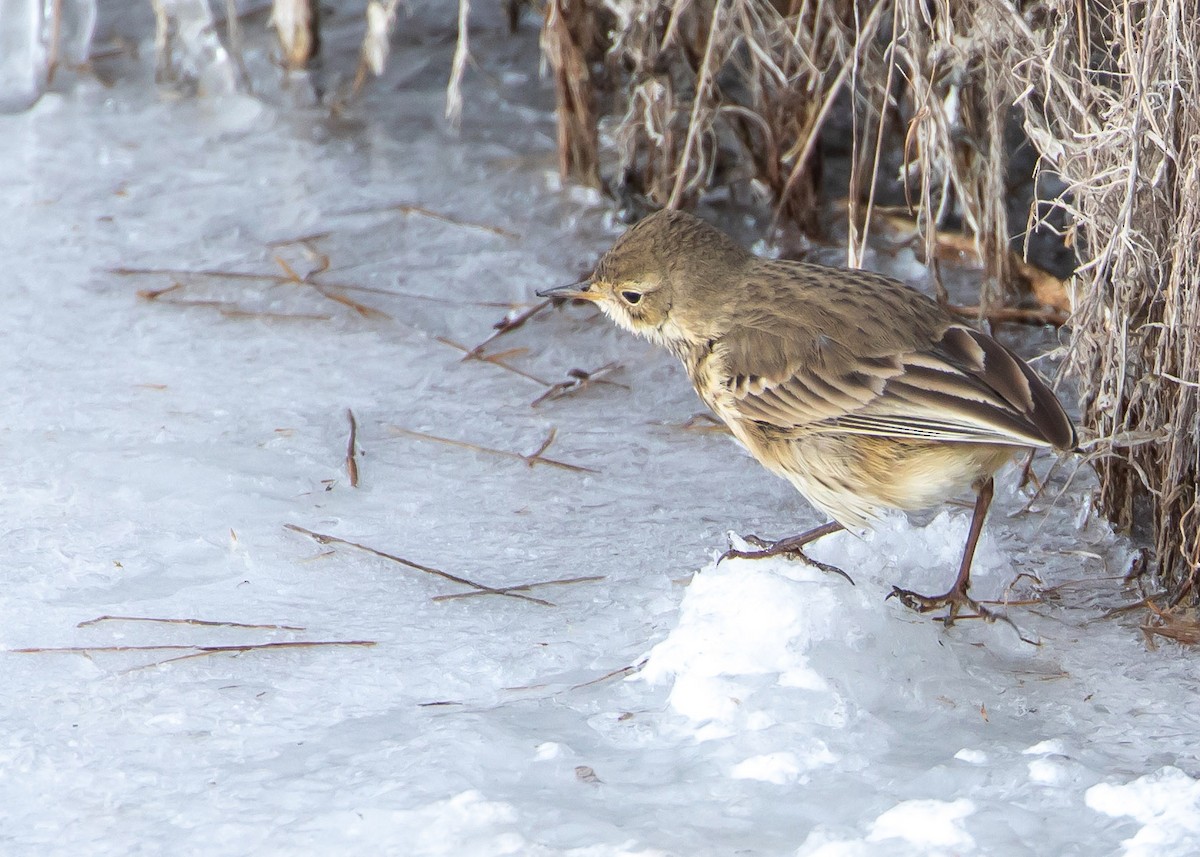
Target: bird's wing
x,y
926,379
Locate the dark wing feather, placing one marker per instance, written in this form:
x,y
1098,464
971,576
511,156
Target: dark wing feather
x,y
881,359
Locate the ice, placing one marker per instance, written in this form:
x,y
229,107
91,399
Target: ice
x,y
161,430
22,54
77,21
190,53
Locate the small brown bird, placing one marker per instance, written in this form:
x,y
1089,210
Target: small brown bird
x,y
862,392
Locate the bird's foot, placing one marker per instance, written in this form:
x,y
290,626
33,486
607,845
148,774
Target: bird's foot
x,y
956,600
790,548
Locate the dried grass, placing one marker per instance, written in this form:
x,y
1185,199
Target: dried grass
x,y
1116,118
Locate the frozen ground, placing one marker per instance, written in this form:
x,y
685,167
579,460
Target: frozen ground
x,y
154,450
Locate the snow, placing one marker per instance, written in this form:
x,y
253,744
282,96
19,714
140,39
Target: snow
x,y
155,450
1166,803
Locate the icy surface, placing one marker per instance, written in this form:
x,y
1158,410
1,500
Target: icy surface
x,y
161,429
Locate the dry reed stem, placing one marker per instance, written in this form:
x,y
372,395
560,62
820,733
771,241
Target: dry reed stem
x,y
277,279
297,25
622,672
290,276
579,380
329,291
228,309
568,39
530,460
307,239
1012,315
199,622
494,359
352,450
170,647
512,321
706,423
421,210
458,66
326,539
1180,625
193,651
524,587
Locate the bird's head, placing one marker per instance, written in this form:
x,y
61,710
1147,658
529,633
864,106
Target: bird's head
x,y
663,279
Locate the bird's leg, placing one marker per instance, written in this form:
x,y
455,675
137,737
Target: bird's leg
x,y
956,597
791,547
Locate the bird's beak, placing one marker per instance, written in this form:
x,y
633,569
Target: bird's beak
x,y
581,291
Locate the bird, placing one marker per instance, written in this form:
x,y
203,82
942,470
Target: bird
x,y
862,392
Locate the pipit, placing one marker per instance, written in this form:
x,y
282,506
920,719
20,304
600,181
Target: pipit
x,y
863,393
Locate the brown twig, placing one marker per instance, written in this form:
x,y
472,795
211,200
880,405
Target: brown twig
x,y
200,272
578,380
306,240
352,450
281,279
1180,625
228,309
509,323
704,423
326,291
325,539
201,622
524,587
494,359
199,650
1019,315
530,460
617,673
410,208
329,291
238,312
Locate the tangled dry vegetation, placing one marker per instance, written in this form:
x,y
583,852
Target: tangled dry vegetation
x,y
960,108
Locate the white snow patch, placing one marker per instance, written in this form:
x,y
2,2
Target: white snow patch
x,y
1167,805
1051,747
739,620
778,768
972,757
926,823
1049,772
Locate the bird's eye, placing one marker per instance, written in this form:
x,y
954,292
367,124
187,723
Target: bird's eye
x,y
631,297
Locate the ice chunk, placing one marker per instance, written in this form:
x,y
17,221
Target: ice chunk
x,y
22,54
190,53
73,31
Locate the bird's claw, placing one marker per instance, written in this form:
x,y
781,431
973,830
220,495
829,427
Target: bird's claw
x,y
785,548
956,600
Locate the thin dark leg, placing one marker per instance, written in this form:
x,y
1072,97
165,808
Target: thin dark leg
x,y
791,547
956,597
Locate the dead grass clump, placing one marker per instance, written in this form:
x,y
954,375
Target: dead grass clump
x,y
699,95
745,96
1117,84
